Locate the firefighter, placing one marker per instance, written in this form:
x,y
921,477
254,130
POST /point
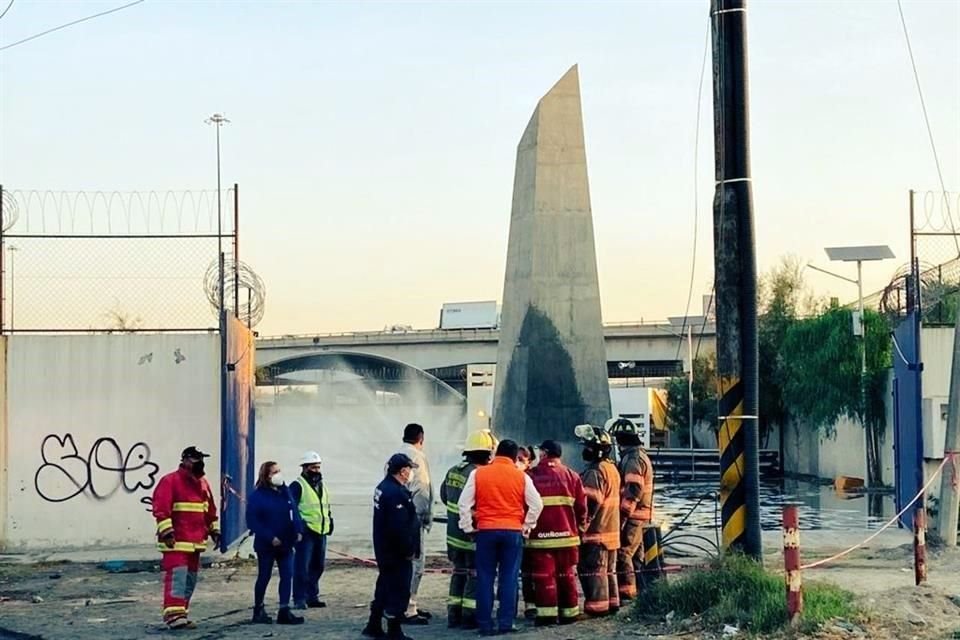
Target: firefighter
x,y
598,553
186,515
554,544
461,549
396,542
636,503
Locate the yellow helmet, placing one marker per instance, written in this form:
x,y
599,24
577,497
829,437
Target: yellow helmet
x,y
482,440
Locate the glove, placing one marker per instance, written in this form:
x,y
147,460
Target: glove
x,y
215,538
331,527
168,540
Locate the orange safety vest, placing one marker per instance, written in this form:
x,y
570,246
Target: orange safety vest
x,y
500,500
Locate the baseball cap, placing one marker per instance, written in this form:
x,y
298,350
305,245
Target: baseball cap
x,y
193,452
398,461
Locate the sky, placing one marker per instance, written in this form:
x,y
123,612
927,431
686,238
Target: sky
x,y
374,143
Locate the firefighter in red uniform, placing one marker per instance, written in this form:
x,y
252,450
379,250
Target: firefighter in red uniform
x,y
598,554
554,545
186,514
636,503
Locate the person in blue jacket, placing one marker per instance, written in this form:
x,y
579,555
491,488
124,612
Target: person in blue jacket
x,y
396,542
275,522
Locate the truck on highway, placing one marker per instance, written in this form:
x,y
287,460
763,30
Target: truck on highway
x,y
469,315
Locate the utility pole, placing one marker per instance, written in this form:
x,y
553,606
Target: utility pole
x,y
949,490
735,282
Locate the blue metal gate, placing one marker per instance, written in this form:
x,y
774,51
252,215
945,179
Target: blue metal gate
x,y
907,413
238,383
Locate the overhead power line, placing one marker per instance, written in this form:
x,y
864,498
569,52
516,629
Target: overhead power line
x,y
926,119
5,10
69,24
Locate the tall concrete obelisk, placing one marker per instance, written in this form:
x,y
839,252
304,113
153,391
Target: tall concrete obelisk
x,y
551,360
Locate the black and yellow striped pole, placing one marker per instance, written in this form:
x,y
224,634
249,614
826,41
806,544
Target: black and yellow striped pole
x,y
735,282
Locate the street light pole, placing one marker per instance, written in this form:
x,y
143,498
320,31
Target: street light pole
x,y
693,459
218,119
860,254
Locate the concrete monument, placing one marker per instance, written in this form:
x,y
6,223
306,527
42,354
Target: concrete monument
x,y
551,361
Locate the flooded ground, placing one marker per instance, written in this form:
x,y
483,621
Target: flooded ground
x,y
821,507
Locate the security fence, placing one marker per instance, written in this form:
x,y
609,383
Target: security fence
x,y
81,261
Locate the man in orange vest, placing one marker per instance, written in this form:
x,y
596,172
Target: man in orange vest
x,y
636,503
186,515
492,504
554,544
598,554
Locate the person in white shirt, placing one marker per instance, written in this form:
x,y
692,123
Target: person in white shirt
x,y
421,486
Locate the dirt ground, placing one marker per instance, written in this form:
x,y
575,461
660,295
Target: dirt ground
x,y
60,601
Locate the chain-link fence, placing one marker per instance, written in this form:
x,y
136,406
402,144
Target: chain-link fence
x,y
119,261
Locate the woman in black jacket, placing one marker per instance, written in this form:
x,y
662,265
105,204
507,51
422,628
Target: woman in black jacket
x,y
275,522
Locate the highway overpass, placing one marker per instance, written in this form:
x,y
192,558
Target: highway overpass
x,y
634,350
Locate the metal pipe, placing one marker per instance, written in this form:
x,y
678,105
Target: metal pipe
x,y
920,545
791,562
236,250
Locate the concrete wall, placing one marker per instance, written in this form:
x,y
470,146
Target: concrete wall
x,y
842,452
93,421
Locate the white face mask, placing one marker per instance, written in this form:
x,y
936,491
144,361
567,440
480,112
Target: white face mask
x,y
277,479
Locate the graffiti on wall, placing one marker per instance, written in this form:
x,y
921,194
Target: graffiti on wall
x,y
65,474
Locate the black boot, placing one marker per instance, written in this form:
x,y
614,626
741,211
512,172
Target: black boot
x,y
395,631
454,617
374,628
260,615
285,616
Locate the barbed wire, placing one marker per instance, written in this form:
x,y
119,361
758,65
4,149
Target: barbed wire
x,y
252,305
11,210
938,212
186,212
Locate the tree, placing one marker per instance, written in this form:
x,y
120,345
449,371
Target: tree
x,y
704,397
821,363
783,297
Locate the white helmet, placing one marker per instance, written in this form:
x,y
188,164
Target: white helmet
x,y
310,457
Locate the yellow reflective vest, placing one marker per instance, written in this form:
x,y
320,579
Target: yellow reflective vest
x,y
314,507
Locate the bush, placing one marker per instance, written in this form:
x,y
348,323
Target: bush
x,y
737,590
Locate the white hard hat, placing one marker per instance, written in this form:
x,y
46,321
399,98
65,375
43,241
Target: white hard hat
x,y
310,457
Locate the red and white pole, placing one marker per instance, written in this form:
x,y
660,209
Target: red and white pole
x,y
920,546
791,562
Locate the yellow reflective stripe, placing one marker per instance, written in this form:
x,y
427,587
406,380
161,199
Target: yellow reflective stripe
x,y
548,612
558,501
454,601
191,507
167,610
570,612
188,547
464,545
469,603
163,525
452,507
215,526
553,543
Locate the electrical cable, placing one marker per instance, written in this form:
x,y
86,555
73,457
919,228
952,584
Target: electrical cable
x,y
7,9
696,193
926,119
69,24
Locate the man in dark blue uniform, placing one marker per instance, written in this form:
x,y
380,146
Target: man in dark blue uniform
x,y
396,542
